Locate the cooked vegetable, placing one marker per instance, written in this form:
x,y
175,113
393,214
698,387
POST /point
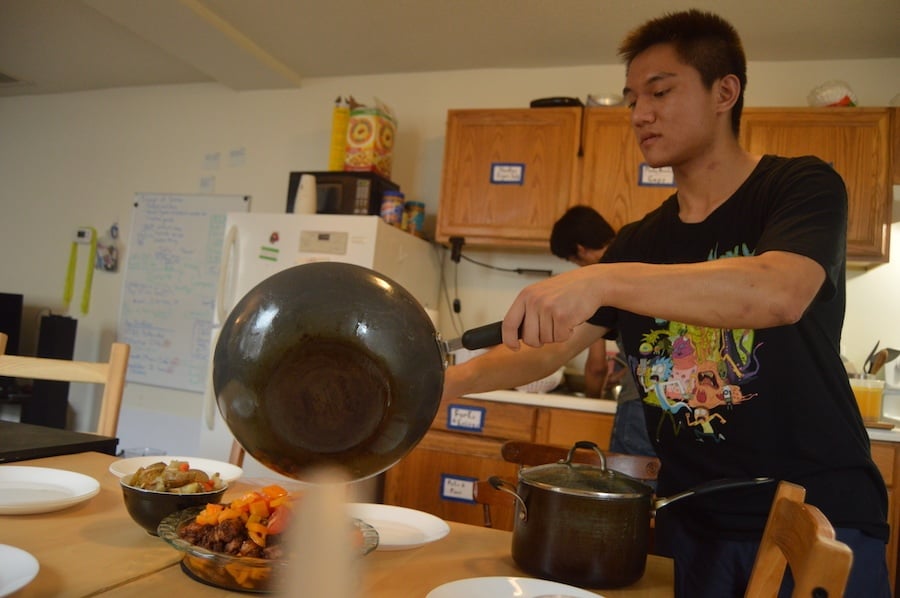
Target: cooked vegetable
x,y
263,512
176,477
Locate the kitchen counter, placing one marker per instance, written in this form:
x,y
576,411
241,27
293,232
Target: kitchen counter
x,y
576,403
554,400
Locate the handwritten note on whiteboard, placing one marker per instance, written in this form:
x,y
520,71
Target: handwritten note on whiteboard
x,y
168,293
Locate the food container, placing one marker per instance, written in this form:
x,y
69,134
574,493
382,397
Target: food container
x,y
392,208
414,217
370,140
241,574
148,507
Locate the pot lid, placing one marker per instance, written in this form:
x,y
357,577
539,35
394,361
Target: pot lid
x,y
583,479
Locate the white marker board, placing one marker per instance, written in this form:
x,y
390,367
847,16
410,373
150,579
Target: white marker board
x,y
169,287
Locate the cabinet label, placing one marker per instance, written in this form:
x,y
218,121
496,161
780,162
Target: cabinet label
x,y
465,417
656,177
507,173
458,488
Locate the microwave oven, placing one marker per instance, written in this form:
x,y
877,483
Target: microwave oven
x,y
340,192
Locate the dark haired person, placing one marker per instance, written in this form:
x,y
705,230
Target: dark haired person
x,y
729,299
581,236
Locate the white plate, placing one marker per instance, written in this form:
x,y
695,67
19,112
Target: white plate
x,y
17,569
227,471
507,587
400,528
27,490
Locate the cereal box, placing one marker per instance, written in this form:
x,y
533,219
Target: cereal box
x,y
370,139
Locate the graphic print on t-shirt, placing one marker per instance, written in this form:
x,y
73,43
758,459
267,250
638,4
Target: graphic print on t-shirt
x,y
694,373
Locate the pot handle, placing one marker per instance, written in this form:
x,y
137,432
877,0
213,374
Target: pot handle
x,y
711,486
586,444
500,484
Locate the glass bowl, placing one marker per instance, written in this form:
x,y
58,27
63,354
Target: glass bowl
x,y
242,574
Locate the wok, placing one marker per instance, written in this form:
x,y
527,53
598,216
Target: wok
x,y
329,364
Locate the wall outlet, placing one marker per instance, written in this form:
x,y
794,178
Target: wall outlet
x,y
83,235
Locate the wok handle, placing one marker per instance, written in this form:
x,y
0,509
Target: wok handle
x,y
711,486
502,485
483,337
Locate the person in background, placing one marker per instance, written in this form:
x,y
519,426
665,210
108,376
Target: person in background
x,y
729,299
581,236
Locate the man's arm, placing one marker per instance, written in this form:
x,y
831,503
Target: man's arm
x,y
596,369
501,368
772,289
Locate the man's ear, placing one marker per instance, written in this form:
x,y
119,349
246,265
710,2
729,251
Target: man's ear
x,y
728,91
581,251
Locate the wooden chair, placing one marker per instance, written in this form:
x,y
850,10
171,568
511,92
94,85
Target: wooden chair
x,y
799,535
488,496
111,374
236,455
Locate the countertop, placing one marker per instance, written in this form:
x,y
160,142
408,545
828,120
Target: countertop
x,y
563,401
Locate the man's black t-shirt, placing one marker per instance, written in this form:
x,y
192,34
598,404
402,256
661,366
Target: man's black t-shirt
x,y
747,403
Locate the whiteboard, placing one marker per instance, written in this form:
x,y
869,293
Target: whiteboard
x,y
169,287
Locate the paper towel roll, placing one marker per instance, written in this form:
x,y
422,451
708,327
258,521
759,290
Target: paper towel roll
x,y
306,195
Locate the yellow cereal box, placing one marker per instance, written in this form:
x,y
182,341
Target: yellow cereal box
x,y
370,140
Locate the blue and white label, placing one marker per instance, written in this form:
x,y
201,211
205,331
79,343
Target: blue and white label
x,y
458,488
507,173
656,177
465,417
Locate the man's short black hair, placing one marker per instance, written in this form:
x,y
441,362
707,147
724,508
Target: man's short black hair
x,y
580,225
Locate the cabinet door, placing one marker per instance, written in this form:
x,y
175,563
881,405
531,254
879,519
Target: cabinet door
x,y
611,173
508,174
439,474
564,427
856,141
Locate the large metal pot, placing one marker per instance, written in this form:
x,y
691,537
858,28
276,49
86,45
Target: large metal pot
x,y
587,525
328,364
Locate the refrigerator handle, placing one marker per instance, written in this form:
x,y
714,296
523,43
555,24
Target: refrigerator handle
x,y
228,247
209,397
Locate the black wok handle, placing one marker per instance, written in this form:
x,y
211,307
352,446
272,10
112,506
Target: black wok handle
x,y
483,337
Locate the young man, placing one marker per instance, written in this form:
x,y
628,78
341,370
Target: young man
x,y
581,236
729,299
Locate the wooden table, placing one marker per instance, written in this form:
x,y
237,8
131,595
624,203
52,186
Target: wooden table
x,y
96,549
20,441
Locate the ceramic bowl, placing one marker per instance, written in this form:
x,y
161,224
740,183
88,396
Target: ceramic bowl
x,y
241,574
148,508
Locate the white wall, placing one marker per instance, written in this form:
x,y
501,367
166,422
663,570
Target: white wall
x,y
71,160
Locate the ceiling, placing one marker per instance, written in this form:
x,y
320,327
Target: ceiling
x,y
52,46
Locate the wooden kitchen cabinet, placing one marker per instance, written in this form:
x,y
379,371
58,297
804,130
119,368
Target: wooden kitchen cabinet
x,y
858,143
508,174
611,180
463,447
573,156
885,455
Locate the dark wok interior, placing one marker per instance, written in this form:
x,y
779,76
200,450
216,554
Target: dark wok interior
x,y
328,364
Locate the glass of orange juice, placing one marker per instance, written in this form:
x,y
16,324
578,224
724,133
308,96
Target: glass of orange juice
x,y
868,393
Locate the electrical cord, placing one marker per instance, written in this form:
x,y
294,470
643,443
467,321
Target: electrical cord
x,y
543,272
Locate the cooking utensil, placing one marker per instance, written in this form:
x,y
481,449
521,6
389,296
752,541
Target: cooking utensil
x,y
867,364
587,525
328,364
880,358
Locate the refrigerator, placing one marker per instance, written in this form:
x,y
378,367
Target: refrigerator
x,y
258,245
